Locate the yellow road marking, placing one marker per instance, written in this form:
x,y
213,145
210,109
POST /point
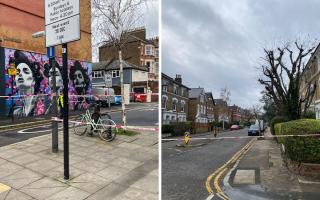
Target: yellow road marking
x,y
219,172
4,188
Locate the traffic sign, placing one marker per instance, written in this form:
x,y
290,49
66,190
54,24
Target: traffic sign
x,y
56,10
108,79
62,21
50,52
12,71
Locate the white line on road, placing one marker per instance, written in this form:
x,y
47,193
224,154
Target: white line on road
x,y
41,131
210,197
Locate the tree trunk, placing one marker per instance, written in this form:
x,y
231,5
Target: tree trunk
x,y
124,117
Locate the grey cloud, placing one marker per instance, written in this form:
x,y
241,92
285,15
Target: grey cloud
x,y
213,48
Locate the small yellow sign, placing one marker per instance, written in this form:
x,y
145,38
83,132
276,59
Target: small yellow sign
x,y
12,71
186,137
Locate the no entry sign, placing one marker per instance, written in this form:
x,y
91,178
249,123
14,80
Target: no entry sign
x,y
62,19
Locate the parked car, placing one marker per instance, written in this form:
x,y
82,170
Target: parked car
x,y
140,97
117,100
235,127
254,130
101,94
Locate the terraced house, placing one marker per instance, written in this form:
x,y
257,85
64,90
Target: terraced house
x,y
174,100
311,76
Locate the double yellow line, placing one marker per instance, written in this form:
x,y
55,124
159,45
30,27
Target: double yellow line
x,y
221,170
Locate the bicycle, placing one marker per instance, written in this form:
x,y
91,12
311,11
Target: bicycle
x,y
105,127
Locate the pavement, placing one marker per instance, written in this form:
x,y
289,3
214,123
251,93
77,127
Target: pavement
x,y
126,168
261,174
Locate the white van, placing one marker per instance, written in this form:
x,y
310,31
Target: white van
x,y
101,93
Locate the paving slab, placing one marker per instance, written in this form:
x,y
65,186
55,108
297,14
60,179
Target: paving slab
x,y
14,195
89,182
21,178
71,193
244,177
8,168
43,188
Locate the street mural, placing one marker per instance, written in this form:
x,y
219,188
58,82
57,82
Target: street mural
x,y
32,91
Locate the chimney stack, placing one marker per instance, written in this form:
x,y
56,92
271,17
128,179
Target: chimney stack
x,y
178,78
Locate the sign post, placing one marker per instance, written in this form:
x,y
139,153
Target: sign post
x,y
51,55
62,18
12,71
108,84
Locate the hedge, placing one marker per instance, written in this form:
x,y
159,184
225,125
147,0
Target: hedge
x,y
300,149
177,128
276,120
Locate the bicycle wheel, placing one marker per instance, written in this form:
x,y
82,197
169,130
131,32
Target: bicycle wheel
x,y
80,126
107,130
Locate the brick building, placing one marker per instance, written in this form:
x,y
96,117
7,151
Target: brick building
x,y
311,76
235,113
138,50
174,100
221,111
210,106
198,106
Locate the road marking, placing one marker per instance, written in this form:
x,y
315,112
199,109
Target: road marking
x,y
210,197
4,188
41,131
220,171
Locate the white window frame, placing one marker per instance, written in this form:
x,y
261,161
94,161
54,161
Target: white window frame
x,y
174,104
115,73
183,104
165,103
148,50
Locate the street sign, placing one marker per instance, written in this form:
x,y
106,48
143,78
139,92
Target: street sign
x,y
62,19
50,52
56,10
108,79
12,71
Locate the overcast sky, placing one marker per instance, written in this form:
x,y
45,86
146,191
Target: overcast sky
x,y
216,44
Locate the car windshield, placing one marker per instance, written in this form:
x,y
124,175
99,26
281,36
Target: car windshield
x,y
254,127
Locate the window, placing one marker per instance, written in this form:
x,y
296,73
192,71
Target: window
x,y
164,102
115,73
148,50
175,89
165,88
98,74
182,106
174,104
157,53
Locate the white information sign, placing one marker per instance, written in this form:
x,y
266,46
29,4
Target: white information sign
x,y
56,10
108,79
64,31
62,21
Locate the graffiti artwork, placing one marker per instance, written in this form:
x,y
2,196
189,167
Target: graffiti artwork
x,y
34,80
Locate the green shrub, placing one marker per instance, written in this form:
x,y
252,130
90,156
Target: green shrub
x,y
177,128
300,149
167,128
275,120
309,115
181,127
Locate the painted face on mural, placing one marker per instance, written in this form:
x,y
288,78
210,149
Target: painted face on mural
x,y
24,78
59,82
78,80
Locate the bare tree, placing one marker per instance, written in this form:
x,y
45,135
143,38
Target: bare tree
x,y
282,70
113,20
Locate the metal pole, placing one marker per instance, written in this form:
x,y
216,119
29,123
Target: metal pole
x,y
65,110
12,115
124,118
55,108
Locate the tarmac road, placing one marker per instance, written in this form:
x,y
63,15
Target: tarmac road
x,y
185,169
138,115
